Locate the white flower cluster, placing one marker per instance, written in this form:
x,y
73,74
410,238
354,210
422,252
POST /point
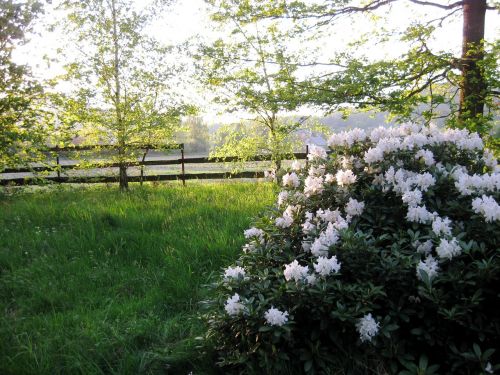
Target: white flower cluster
x,y
423,247
313,185
291,180
488,207
234,273
367,328
325,266
276,317
254,233
448,249
294,271
410,136
427,156
345,178
296,165
286,220
476,184
327,238
354,207
347,138
233,305
316,152
430,266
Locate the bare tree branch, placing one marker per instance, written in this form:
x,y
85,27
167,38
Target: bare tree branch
x,y
437,5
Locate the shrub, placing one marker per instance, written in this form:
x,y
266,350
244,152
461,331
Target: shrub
x,y
382,257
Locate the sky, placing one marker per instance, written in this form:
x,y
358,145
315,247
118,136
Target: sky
x,y
189,19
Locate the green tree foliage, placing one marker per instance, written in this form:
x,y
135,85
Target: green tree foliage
x,y
422,82
251,70
249,138
121,78
22,120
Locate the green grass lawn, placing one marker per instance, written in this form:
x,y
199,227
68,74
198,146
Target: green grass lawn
x,y
93,281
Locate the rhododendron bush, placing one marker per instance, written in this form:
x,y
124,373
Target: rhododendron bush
x,y
381,256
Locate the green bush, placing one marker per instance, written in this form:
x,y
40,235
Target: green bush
x,y
382,257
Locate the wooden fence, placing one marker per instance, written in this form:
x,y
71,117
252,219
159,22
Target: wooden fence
x,y
58,168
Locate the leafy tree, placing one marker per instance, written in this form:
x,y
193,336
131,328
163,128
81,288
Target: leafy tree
x,y
422,77
122,93
22,118
251,71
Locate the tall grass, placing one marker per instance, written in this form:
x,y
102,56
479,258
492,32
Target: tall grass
x,y
94,281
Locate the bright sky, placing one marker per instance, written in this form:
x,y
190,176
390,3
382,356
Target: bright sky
x,y
189,18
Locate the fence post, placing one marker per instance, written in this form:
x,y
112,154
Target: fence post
x,y
142,164
182,165
58,166
307,153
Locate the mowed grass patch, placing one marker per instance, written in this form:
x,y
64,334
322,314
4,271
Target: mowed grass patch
x,y
94,281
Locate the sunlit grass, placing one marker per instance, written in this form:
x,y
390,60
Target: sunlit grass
x,y
93,281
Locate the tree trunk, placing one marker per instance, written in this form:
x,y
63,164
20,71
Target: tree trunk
x,y
473,90
123,178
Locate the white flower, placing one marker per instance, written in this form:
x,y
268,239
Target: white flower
x,y
296,165
233,305
419,214
340,223
429,266
317,171
326,239
311,279
254,233
282,197
306,246
316,152
412,197
424,180
489,159
294,271
488,207
313,186
424,247
234,273
354,208
325,266
291,180
336,140
355,135
373,155
367,327
328,215
284,221
270,174
448,249
346,162
287,219
489,368
427,156
329,178
441,226
318,248
345,178
308,227
377,134
276,317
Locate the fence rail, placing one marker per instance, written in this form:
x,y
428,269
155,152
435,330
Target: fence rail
x,y
182,161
